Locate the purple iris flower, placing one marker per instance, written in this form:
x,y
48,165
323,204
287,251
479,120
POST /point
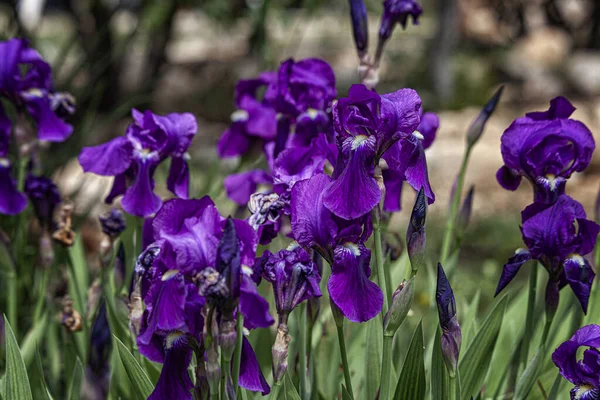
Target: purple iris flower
x,y
584,373
397,12
188,265
241,186
133,158
26,82
341,243
417,169
294,277
546,148
371,127
253,120
558,236
44,196
11,200
301,86
292,122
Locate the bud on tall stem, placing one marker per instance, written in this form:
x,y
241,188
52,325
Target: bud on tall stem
x,y
451,334
476,128
401,303
360,27
415,234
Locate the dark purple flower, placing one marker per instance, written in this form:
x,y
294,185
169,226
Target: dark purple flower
x,y
428,127
26,81
294,277
451,333
546,148
44,196
558,236
11,200
397,12
369,127
241,186
341,242
414,157
252,120
133,158
112,222
197,257
301,86
584,373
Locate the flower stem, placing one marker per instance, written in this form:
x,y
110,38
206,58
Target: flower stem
x,y
226,368
12,300
449,232
376,214
302,327
527,334
37,314
547,326
454,386
342,341
386,368
275,390
237,355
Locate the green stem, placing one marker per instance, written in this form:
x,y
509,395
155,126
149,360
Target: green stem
x,y
528,332
449,232
386,368
547,326
454,386
80,305
275,390
302,326
12,300
39,307
18,241
342,341
226,370
237,355
376,214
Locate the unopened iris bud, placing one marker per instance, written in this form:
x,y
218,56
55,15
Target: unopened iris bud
x,y
401,303
465,212
451,333
113,223
476,128
44,196
360,26
415,234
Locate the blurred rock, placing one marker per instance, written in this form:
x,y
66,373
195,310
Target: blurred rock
x,y
583,72
542,50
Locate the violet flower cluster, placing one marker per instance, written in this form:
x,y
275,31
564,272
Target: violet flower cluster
x,y
26,85
546,148
199,271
